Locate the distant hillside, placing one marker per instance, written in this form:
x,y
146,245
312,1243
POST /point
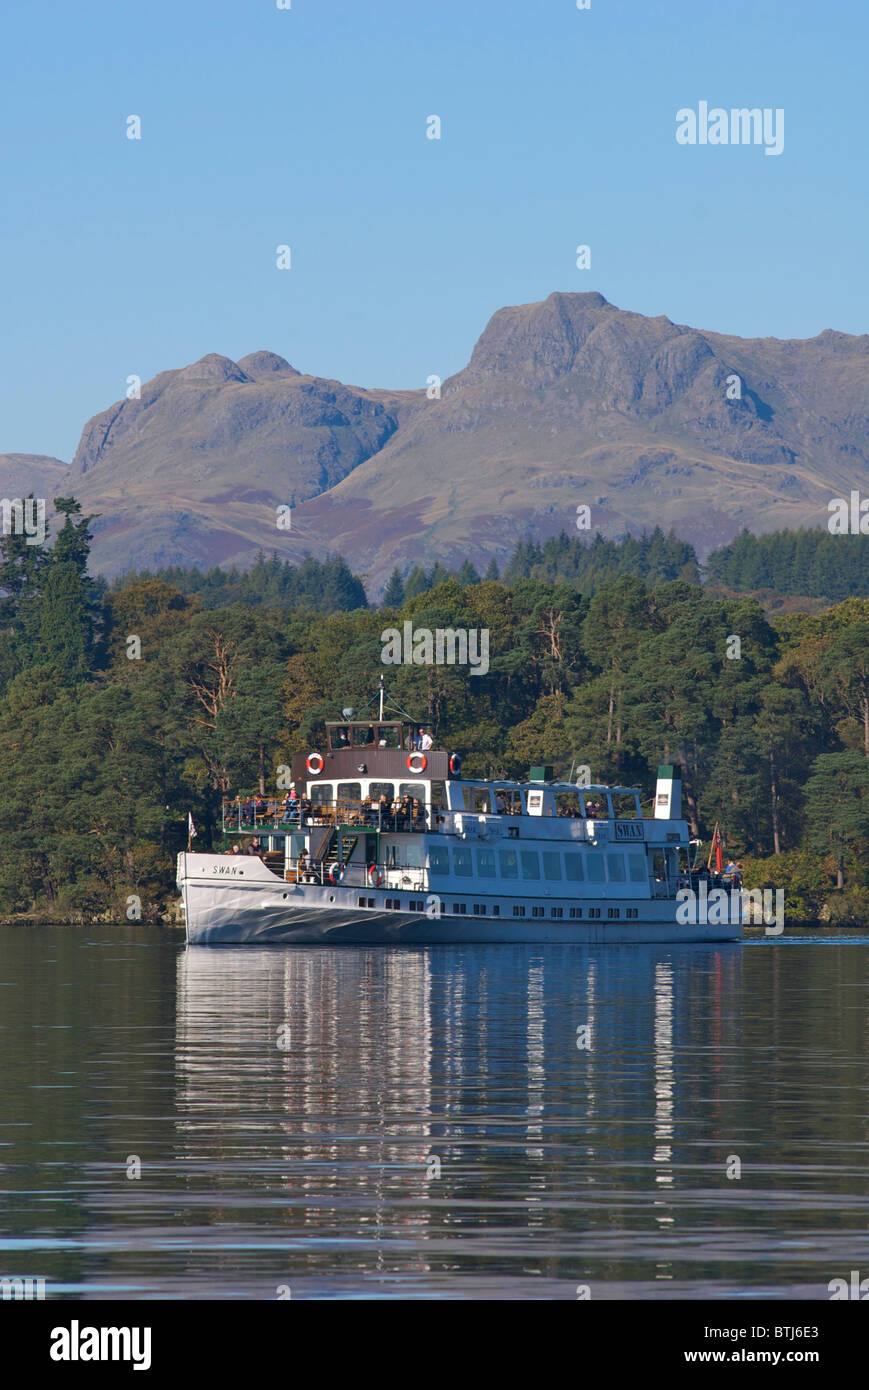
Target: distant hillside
x,y
566,402
21,474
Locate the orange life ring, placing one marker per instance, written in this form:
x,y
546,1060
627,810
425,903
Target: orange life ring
x,y
315,764
375,877
420,759
456,764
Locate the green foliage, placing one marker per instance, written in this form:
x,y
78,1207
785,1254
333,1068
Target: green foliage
x,y
810,562
317,586
393,594
804,878
655,558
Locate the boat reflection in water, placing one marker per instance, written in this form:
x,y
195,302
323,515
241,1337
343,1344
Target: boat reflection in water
x,y
463,1122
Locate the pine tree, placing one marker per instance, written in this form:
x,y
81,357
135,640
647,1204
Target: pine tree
x,y
468,575
393,594
417,583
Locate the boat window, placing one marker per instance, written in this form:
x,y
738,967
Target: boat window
x,y
551,864
594,866
339,737
637,868
439,794
573,867
438,860
615,863
567,804
363,735
414,789
478,799
413,856
664,862
486,863
624,805
321,793
349,791
462,862
378,789
530,864
389,735
508,862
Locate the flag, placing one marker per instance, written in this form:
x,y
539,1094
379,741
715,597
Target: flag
x,y
191,828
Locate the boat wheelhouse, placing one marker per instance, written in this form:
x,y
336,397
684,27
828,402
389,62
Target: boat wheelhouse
x,y
380,841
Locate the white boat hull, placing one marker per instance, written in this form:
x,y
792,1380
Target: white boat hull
x,y
221,911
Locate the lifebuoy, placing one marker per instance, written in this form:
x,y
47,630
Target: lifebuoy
x,y
456,764
315,764
336,872
375,877
417,763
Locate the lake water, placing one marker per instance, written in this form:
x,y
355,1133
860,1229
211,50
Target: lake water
x,y
421,1122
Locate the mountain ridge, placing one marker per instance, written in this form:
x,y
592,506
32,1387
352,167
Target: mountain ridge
x,y
563,402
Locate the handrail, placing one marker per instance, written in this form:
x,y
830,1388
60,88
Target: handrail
x,y
365,815
393,877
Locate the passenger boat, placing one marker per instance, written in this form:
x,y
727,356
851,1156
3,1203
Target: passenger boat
x,y
387,844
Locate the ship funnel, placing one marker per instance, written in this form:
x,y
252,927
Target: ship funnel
x,y
668,793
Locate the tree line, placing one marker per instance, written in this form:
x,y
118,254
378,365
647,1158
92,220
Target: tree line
x,y
810,562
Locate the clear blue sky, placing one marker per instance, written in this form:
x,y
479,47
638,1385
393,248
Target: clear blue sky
x,y
307,127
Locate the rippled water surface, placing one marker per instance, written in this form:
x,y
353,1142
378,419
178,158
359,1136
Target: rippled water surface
x,y
422,1123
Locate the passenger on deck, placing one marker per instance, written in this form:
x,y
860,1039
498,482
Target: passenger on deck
x,y
255,847
425,741
301,866
247,812
500,804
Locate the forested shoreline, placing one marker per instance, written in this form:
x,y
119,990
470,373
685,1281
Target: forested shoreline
x,y
123,707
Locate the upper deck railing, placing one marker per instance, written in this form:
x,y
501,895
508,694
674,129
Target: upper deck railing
x,y
243,815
